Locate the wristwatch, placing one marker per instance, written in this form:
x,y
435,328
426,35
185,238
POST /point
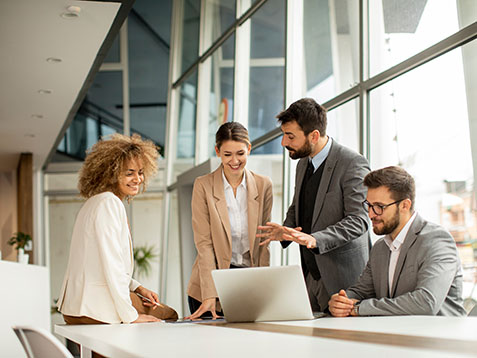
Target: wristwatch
x,y
356,309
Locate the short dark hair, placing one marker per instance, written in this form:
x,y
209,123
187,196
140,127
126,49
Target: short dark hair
x,y
231,131
307,113
398,181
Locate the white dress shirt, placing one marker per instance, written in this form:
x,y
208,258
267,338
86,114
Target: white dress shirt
x,y
238,218
395,248
319,158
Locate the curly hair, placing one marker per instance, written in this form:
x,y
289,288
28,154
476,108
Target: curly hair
x,y
104,163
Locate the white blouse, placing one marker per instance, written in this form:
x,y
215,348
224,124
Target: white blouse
x,y
238,209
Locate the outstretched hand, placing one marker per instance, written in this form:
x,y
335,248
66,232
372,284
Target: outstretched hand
x,y
299,237
274,232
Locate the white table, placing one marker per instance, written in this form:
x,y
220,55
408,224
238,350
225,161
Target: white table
x,y
389,337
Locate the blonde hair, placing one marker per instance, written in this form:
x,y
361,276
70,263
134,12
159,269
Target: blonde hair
x,y
104,163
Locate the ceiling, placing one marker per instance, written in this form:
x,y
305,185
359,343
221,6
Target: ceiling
x,y
38,97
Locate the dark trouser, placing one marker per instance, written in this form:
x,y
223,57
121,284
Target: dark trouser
x,y
317,293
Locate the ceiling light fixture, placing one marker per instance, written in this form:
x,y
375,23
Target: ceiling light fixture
x,y
53,60
72,12
37,116
44,91
30,135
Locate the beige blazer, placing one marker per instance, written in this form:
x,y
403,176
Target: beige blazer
x,y
99,274
211,226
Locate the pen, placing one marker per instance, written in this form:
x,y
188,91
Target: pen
x,y
147,299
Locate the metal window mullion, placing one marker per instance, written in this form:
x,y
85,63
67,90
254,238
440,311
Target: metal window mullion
x,y
111,66
170,142
123,52
46,226
242,67
203,86
363,112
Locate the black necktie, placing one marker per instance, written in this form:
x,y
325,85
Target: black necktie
x,y
310,169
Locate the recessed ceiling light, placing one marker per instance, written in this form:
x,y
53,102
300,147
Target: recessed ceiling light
x,y
53,60
72,12
44,91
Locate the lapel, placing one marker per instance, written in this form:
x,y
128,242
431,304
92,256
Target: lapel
x,y
411,236
300,174
252,211
384,256
131,249
325,181
221,202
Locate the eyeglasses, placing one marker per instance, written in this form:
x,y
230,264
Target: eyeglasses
x,y
378,208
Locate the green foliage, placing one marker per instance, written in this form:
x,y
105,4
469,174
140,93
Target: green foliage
x,y
53,308
143,256
20,239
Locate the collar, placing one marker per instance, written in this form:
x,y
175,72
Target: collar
x,y
398,241
318,159
227,185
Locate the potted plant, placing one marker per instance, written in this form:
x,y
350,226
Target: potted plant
x,y
143,256
21,240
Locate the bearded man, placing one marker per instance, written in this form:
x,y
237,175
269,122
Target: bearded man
x,y
414,269
326,216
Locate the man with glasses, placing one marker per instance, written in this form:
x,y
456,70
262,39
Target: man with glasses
x,y
414,269
326,216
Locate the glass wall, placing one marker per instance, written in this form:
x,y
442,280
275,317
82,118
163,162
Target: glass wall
x,y
220,15
399,29
271,165
421,123
189,17
148,59
330,47
266,70
220,69
343,124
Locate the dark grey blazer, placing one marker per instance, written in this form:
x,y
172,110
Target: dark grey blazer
x,y
427,279
340,224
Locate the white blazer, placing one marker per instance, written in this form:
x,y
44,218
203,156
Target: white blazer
x,y
99,274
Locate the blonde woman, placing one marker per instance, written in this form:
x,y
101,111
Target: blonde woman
x,y
98,285
227,207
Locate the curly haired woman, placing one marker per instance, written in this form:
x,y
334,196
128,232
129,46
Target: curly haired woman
x,y
98,285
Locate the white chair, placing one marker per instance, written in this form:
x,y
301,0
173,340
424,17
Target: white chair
x,y
473,311
39,343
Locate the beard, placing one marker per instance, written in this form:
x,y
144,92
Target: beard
x,y
302,152
389,226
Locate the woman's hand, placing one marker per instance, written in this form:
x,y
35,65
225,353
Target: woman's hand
x,y
151,295
207,305
143,318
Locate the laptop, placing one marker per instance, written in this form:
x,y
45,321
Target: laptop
x,y
263,294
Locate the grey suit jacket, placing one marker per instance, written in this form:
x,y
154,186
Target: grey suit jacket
x,y
427,279
340,224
